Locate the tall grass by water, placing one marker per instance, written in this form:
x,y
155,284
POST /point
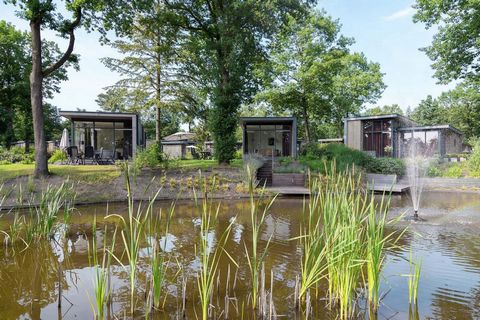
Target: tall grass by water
x,y
343,240
101,285
414,279
133,232
209,253
255,257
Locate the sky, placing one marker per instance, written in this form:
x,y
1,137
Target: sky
x,y
383,30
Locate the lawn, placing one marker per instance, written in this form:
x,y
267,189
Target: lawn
x,y
201,164
87,173
96,173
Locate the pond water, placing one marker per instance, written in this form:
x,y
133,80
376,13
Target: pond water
x,y
448,243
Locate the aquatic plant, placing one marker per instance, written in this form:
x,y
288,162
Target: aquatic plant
x,y
101,270
311,239
209,254
375,245
257,218
45,215
159,261
132,232
414,279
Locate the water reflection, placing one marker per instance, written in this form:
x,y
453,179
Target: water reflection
x,y
449,285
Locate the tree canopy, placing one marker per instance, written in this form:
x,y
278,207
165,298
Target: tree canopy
x,y
314,75
455,50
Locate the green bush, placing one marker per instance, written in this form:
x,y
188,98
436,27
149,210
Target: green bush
x,y
454,171
58,155
238,154
473,161
386,166
151,157
16,155
315,156
434,171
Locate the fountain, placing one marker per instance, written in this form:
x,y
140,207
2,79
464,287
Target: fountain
x,y
417,164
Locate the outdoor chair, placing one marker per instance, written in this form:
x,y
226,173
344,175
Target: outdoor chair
x,y
72,153
105,157
89,154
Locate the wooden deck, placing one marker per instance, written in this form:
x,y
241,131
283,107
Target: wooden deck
x,y
386,183
289,191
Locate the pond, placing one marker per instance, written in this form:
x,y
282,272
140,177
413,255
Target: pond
x,y
448,243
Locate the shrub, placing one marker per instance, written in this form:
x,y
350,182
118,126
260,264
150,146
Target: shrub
x,y
434,171
386,166
455,171
151,156
16,154
58,155
474,159
315,156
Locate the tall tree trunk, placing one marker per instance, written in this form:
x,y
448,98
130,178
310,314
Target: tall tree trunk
x,y
36,79
306,122
158,122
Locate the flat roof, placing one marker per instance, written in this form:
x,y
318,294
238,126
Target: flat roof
x,y
92,115
267,119
426,128
382,116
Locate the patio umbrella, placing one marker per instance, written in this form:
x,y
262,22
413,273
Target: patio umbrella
x,y
64,141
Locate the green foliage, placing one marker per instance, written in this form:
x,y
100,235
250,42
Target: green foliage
x,y
315,76
454,171
387,165
455,49
474,159
15,106
57,156
314,156
221,50
429,112
15,155
151,157
386,109
433,171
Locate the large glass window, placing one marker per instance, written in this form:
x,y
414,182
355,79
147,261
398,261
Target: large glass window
x,y
268,140
377,137
424,141
112,136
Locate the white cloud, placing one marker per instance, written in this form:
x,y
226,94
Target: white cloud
x,y
407,12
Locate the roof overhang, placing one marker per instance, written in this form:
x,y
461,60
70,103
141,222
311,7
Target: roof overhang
x,y
382,116
96,115
431,128
267,120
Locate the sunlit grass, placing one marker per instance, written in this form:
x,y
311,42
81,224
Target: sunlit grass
x,y
84,173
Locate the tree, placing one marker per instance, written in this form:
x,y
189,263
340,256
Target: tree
x,y
226,41
13,81
462,106
386,109
102,15
429,112
42,14
15,68
120,99
455,50
315,77
147,65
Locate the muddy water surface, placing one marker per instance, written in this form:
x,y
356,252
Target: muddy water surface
x,y
448,243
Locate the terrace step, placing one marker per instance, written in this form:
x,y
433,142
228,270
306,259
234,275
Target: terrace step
x,y
265,173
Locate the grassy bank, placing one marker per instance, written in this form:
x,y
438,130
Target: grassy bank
x,y
97,173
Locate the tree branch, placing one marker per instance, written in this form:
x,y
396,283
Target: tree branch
x,y
47,71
